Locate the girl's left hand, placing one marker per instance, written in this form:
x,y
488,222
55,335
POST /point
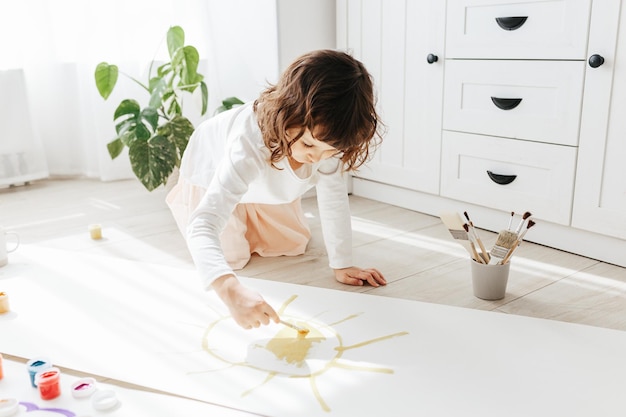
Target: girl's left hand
x,y
358,276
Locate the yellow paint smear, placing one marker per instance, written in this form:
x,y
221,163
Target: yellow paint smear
x,y
293,350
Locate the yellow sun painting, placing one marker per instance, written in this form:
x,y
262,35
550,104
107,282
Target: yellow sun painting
x,y
288,355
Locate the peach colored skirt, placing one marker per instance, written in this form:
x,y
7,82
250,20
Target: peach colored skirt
x,y
265,229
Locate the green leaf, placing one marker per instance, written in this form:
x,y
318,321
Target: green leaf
x,y
155,83
151,116
125,126
231,101
152,160
134,122
169,93
127,138
115,147
178,131
189,59
205,97
164,69
141,131
175,39
174,108
127,107
228,103
106,78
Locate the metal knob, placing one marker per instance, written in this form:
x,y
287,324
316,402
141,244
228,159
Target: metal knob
x,y
595,60
432,58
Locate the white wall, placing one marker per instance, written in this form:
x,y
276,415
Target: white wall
x,y
243,49
305,25
253,41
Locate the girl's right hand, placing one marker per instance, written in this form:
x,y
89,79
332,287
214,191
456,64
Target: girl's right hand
x,y
247,306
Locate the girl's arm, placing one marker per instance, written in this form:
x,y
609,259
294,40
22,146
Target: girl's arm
x,y
334,207
236,170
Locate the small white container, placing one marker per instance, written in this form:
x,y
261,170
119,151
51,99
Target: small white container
x,y
489,281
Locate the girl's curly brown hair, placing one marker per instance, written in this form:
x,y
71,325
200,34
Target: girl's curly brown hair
x,y
330,93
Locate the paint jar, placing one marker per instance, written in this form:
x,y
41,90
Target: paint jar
x,y
489,281
8,407
4,303
84,387
104,400
95,231
35,366
49,383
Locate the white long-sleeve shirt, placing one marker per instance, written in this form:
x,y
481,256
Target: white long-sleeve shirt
x,y
227,156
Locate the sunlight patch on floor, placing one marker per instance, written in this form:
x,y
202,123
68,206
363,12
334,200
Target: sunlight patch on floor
x,y
47,221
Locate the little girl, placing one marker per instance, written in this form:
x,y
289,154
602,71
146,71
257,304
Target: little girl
x,y
244,171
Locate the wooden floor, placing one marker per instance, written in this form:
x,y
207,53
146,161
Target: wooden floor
x,y
414,251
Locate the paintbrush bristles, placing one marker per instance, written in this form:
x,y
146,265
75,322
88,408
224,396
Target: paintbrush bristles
x,y
506,240
521,223
519,242
454,223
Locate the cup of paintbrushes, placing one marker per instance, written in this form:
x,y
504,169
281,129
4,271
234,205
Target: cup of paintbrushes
x,y
489,280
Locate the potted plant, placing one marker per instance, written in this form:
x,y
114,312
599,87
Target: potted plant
x,y
156,135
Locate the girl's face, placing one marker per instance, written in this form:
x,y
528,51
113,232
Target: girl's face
x,y
307,149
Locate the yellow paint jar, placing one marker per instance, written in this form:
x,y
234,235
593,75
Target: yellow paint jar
x,y
4,302
95,231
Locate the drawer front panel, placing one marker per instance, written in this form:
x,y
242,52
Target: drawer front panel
x,y
546,99
552,29
543,174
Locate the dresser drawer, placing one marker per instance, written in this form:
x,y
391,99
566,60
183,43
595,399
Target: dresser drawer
x,y
541,175
539,29
479,97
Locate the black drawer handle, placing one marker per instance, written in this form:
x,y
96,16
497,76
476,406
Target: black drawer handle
x,y
506,103
501,179
511,23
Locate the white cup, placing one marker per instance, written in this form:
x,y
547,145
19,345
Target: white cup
x,y
4,251
489,281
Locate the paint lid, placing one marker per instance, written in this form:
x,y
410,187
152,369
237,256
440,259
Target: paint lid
x,y
104,400
83,387
8,407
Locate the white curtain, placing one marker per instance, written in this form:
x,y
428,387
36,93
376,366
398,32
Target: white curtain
x,y
56,45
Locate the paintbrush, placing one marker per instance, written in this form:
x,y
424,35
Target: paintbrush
x,y
521,223
452,220
484,253
519,242
510,220
301,330
506,240
475,254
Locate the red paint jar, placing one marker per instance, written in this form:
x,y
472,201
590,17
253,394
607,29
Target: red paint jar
x,y
49,383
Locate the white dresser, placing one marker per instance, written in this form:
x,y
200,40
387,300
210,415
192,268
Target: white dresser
x,y
522,109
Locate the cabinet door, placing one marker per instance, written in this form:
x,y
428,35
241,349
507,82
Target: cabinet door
x,y
393,39
600,193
